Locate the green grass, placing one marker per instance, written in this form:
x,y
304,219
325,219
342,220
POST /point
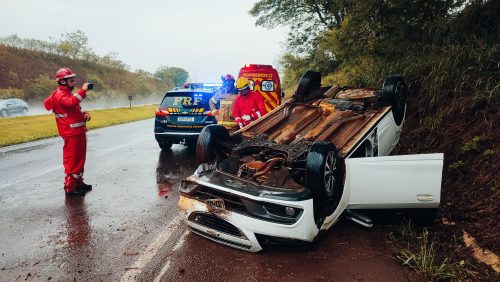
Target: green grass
x,y
29,128
422,255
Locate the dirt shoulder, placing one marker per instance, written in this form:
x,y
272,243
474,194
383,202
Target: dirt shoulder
x,y
467,133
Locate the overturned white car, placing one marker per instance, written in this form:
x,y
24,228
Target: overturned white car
x,y
299,168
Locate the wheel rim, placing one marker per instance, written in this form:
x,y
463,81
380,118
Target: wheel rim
x,y
330,168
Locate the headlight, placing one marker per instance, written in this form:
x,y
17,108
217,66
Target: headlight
x,y
272,212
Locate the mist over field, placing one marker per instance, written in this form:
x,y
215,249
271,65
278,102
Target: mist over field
x,y
103,102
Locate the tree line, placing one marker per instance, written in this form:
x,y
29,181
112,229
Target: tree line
x,y
27,67
440,45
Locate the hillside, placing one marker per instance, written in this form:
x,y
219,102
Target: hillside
x,y
449,54
29,75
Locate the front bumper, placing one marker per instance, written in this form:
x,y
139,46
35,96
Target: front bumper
x,y
176,137
240,225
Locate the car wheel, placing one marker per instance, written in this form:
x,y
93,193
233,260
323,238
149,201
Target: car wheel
x,y
25,111
207,142
394,93
165,145
4,113
324,177
191,143
310,80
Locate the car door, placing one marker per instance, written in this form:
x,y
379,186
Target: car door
x,y
16,105
394,182
10,106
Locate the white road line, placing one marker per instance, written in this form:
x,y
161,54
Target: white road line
x,y
50,170
151,251
47,171
167,265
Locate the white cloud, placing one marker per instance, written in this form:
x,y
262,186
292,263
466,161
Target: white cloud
x,y
207,38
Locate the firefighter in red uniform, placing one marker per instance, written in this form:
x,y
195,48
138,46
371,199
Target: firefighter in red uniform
x,y
70,122
249,105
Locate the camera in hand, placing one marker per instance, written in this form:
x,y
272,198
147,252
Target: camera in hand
x,y
90,86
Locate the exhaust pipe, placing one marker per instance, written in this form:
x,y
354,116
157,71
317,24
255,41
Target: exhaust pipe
x,y
359,218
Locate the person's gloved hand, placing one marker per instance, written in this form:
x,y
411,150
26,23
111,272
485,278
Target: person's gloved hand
x,y
86,117
246,117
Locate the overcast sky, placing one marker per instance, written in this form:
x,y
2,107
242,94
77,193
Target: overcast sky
x,y
206,38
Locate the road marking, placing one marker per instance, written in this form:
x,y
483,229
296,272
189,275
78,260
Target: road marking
x,y
151,251
47,171
167,265
99,153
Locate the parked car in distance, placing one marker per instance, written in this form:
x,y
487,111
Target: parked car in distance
x,y
13,106
181,116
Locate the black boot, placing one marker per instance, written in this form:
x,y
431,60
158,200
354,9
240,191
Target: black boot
x,y
76,192
85,187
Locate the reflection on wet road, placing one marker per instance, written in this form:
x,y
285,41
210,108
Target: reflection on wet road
x,y
129,227
96,237
172,167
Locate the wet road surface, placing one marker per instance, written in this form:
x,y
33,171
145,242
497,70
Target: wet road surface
x,y
129,227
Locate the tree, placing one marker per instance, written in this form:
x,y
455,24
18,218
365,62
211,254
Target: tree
x,y
306,19
177,75
74,44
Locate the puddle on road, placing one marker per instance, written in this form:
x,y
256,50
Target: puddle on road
x,y
173,166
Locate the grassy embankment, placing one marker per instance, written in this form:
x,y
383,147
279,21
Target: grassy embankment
x,y
30,128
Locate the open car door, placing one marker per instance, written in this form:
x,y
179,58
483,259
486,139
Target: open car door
x,y
394,182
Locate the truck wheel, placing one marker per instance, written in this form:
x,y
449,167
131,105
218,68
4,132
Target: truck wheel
x,y
310,80
165,145
394,93
207,142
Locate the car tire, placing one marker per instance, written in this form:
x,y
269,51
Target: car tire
x,y
24,111
310,80
191,143
4,113
165,145
207,142
394,93
324,171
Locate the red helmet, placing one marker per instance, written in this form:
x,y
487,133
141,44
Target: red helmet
x,y
229,77
64,73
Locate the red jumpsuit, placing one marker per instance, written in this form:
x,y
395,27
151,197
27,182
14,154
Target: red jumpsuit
x,y
70,122
248,108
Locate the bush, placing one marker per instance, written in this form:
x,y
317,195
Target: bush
x,y
39,88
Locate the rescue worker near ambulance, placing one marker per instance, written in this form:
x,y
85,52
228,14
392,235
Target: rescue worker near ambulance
x,y
226,89
226,92
249,105
70,122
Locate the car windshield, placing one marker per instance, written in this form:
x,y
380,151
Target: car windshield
x,y
186,100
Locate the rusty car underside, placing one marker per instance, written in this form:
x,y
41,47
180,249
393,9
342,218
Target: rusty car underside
x,y
273,150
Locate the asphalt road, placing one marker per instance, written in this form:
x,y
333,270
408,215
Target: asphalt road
x,y
129,227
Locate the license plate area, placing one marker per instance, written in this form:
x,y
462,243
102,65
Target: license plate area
x,y
217,204
185,119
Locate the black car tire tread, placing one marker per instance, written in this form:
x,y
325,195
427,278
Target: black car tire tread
x,y
394,93
207,142
165,145
309,81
